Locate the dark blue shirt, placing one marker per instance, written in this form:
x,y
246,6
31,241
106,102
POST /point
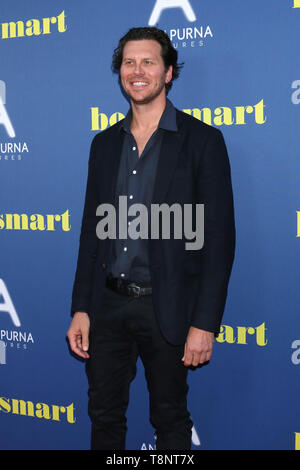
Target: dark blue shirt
x,y
136,180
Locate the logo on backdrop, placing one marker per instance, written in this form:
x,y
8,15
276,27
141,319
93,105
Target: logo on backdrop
x,y
161,5
7,304
220,116
181,36
242,334
11,338
36,222
9,150
33,27
296,4
297,434
4,117
30,409
298,224
295,97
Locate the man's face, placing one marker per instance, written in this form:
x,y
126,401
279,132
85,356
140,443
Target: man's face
x,y
142,72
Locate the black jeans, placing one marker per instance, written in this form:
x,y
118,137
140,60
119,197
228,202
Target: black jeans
x,y
124,329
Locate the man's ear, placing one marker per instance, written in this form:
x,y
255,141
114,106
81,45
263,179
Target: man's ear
x,y
169,74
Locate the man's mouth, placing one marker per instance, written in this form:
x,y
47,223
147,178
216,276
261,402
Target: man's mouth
x,y
139,84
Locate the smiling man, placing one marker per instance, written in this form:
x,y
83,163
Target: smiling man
x,y
151,298
143,73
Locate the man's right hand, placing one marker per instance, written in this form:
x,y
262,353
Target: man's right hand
x,y
78,334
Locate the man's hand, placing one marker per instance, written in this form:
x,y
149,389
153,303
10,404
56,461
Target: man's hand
x,y
198,347
78,334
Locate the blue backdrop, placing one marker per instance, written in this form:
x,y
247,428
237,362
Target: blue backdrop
x,y
57,91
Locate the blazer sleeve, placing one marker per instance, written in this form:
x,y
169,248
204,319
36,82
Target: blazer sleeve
x,y
214,190
88,243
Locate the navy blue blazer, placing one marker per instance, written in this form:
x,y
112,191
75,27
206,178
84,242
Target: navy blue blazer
x,y
189,286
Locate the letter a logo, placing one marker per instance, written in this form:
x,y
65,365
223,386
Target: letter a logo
x,y
4,118
161,5
7,305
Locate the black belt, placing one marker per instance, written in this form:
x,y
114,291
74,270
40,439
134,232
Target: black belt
x,y
125,287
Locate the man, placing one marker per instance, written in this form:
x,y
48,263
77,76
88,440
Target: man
x,y
152,297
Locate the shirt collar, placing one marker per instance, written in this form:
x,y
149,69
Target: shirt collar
x,y
167,120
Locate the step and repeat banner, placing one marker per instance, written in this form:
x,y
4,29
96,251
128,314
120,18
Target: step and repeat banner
x,y
57,90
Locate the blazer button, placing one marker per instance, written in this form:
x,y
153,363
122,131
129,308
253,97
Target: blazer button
x,y
104,266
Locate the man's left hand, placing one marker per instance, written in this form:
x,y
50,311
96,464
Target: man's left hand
x,y
198,347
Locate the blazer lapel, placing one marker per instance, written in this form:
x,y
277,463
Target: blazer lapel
x,y
114,151
167,162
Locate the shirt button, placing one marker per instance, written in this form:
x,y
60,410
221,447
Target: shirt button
x,y
134,172
131,196
122,274
133,148
125,248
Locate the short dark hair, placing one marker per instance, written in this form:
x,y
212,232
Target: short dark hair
x,y
168,52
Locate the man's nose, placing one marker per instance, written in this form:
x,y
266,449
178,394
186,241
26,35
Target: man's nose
x,y
138,69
